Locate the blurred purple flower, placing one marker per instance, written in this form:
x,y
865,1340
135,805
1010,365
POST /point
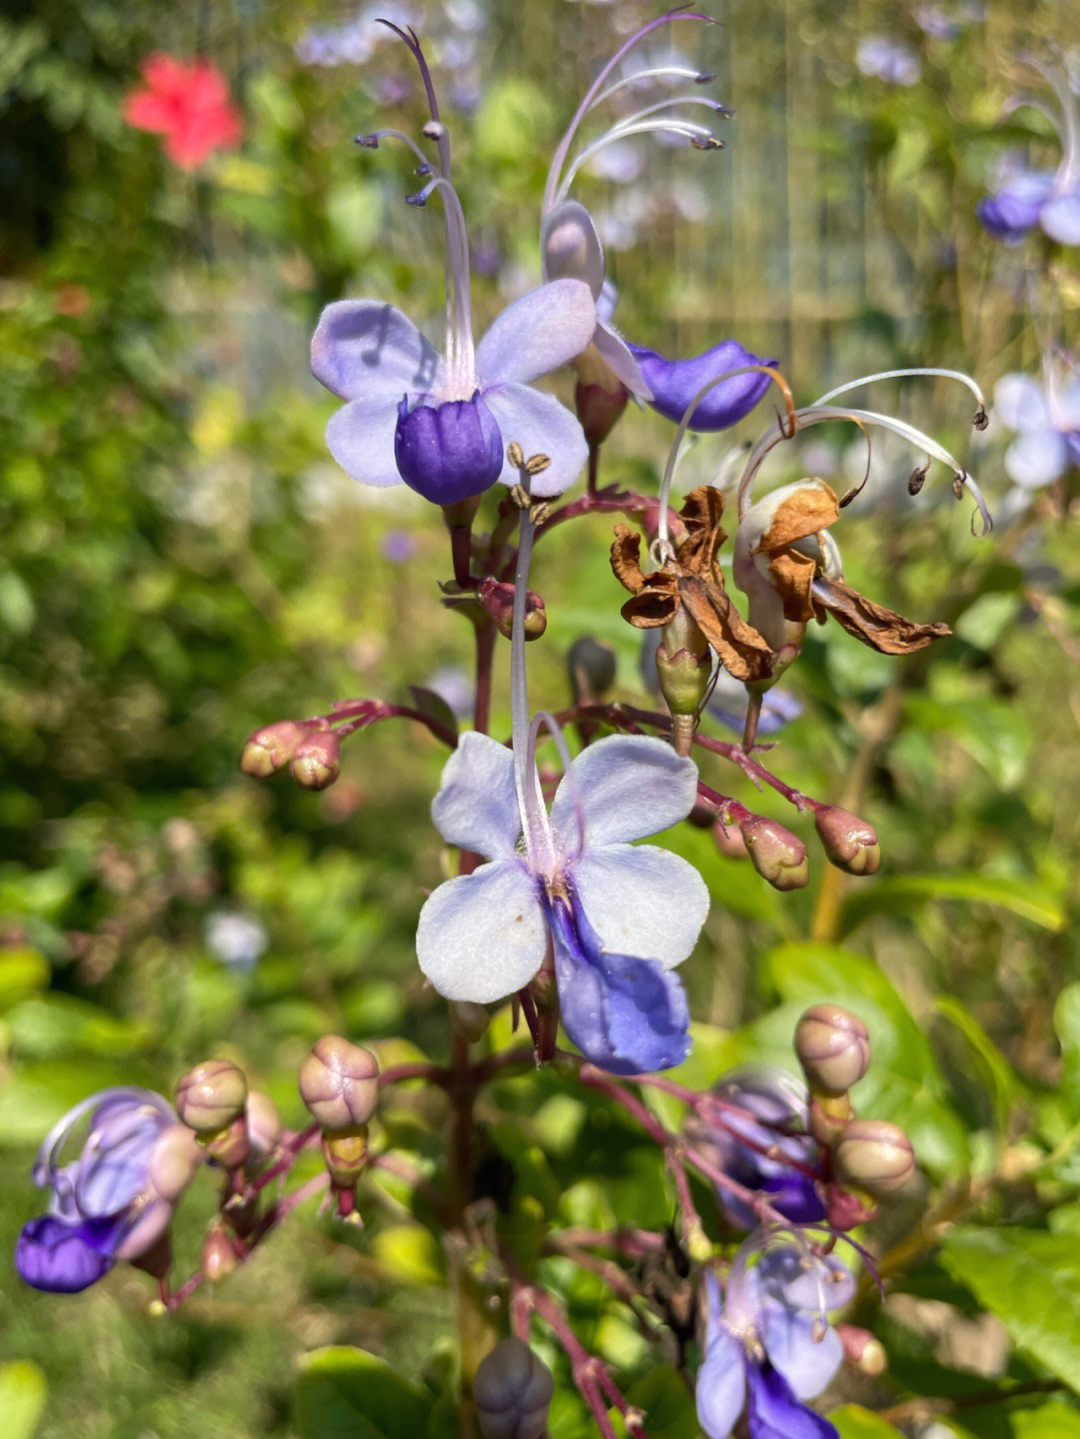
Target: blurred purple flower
x,y
767,1346
889,60
1046,419
115,1199
749,1125
236,940
579,882
1025,197
399,546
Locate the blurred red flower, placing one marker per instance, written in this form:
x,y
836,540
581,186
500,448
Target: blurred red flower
x,y
188,105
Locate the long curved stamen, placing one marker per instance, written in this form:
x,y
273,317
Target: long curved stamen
x,y
553,189
442,138
371,140
658,72
918,439
929,372
662,541
698,135
534,818
554,729
460,356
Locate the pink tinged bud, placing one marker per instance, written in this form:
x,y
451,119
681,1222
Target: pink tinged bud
x,y
148,1231
861,1350
173,1164
598,407
845,1211
729,838
270,748
497,597
316,761
848,841
778,855
875,1156
833,1047
513,1390
263,1123
211,1096
339,1083
218,1255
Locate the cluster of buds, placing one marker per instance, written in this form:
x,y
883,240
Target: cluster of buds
x,y
339,1084
310,748
780,856
867,1158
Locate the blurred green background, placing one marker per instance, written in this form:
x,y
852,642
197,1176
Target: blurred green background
x,y
184,563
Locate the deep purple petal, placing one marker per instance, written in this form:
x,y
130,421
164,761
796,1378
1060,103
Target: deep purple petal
x,y
773,1412
450,451
63,1258
1008,216
674,383
626,1015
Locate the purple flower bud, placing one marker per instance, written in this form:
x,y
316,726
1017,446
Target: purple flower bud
x,y
674,383
450,451
316,762
339,1083
875,1156
778,855
729,838
218,1255
862,1350
211,1096
513,1390
497,597
598,407
849,842
833,1048
263,1123
270,748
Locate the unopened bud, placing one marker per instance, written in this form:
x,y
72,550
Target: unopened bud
x,y
848,841
875,1156
470,1020
513,1390
833,1047
263,1123
176,1157
218,1255
270,748
846,1210
778,855
345,1152
211,1096
316,761
862,1350
729,838
497,597
339,1083
598,408
591,667
229,1146
684,665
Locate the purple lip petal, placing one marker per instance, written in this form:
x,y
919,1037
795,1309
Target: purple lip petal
x,y
62,1258
773,1412
674,383
450,451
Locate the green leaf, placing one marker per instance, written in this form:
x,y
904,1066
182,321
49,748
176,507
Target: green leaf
x,y
22,1398
1067,1027
1031,1280
22,972
1026,898
435,707
1001,1079
345,1393
666,1402
1056,1420
855,1422
410,1253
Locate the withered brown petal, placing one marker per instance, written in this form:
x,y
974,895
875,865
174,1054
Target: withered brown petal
x,y
792,576
809,509
741,650
651,608
701,514
881,628
626,559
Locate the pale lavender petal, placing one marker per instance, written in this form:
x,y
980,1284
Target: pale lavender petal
x,y
619,357
539,333
541,426
1036,459
773,1412
476,806
1060,218
571,248
720,1392
621,788
642,900
366,350
1067,407
799,1279
482,936
1020,404
361,438
807,1363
